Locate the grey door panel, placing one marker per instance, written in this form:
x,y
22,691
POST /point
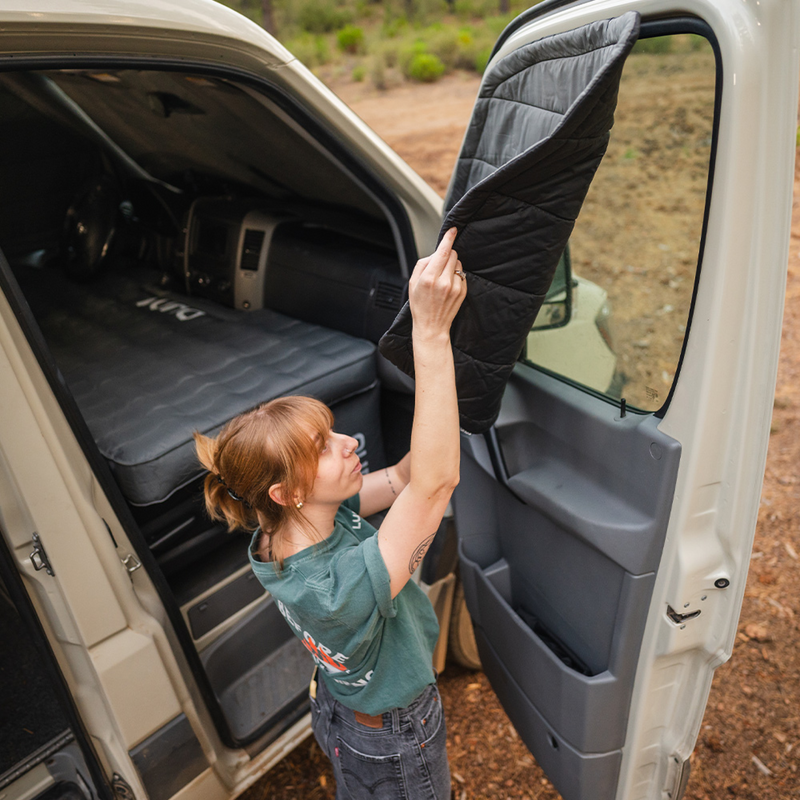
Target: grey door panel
x,y
578,668
561,520
574,774
608,480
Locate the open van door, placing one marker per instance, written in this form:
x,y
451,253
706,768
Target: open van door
x,y
605,528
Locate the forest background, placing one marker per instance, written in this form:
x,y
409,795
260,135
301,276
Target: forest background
x,y
385,42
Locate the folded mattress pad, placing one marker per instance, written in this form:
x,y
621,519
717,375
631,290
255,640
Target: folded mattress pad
x,y
147,368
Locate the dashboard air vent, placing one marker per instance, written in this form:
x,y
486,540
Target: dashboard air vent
x,y
251,249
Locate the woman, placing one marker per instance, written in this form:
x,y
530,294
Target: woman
x,y
342,587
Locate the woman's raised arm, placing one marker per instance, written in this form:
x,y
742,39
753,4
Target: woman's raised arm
x,y
436,292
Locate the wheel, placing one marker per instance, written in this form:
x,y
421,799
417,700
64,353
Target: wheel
x,y
461,637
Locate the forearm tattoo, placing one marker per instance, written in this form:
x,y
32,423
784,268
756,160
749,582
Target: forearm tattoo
x,y
419,553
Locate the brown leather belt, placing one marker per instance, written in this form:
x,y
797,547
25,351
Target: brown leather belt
x,y
369,720
365,719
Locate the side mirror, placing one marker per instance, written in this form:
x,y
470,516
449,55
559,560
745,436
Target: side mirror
x,y
556,310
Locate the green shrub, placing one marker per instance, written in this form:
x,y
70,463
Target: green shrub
x,y
425,67
445,46
697,42
407,52
359,73
654,45
476,9
388,54
425,11
457,49
313,51
321,16
377,73
482,60
365,9
497,24
471,46
322,53
350,39
393,26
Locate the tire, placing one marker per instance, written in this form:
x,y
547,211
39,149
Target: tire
x,y
461,636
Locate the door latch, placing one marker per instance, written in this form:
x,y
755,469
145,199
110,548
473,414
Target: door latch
x,y
121,788
131,563
679,618
39,557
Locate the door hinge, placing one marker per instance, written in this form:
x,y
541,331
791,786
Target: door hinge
x,y
39,557
679,618
678,777
122,789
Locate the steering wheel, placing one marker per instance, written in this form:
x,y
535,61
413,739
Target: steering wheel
x,y
89,228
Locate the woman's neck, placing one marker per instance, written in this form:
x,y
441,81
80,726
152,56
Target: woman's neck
x,y
320,516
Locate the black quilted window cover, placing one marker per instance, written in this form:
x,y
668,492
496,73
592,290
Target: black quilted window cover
x,y
539,131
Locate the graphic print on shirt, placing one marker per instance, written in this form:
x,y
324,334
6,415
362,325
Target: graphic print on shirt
x,y
323,656
360,682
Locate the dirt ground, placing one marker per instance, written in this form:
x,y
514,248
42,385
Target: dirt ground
x,y
749,744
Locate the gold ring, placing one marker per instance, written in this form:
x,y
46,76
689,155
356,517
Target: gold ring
x,y
461,274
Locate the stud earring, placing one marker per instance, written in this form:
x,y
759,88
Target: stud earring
x,y
299,504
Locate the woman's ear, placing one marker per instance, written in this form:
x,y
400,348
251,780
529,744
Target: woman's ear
x,y
276,494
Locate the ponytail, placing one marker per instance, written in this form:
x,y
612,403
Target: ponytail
x,y
222,503
275,443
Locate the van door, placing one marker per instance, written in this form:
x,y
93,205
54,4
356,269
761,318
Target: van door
x,y
605,521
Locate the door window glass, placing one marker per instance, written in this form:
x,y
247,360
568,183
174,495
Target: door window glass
x,y
625,285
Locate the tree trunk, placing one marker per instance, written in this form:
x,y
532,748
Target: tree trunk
x,y
268,17
505,6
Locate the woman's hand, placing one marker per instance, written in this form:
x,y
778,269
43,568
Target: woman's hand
x,y
437,290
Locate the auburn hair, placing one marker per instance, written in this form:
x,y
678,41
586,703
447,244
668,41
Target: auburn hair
x,y
275,442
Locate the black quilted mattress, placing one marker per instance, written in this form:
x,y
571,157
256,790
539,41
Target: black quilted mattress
x,y
147,368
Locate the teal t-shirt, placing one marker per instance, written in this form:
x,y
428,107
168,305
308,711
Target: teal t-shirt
x,y
374,653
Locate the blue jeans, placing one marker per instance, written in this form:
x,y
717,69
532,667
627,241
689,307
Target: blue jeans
x,y
405,759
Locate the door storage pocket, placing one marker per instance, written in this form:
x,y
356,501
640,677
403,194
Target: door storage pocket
x,y
588,711
558,648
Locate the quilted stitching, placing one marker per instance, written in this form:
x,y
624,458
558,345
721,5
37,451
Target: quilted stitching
x,y
515,214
